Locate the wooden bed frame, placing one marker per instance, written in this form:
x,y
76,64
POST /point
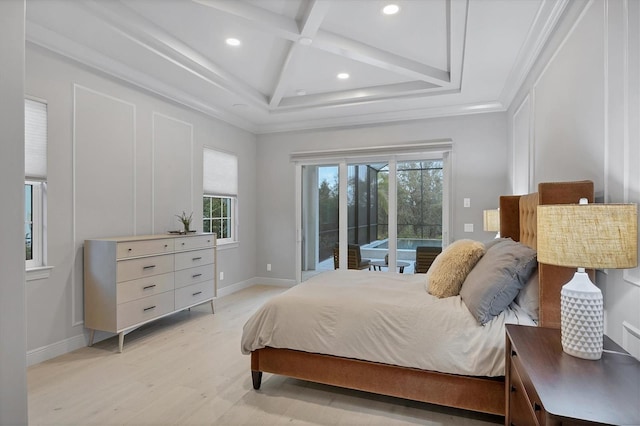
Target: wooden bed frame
x,y
482,394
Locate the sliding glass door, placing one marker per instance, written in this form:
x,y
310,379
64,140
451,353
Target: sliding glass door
x,y
382,209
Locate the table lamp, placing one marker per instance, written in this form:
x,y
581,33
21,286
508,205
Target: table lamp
x,y
598,236
491,221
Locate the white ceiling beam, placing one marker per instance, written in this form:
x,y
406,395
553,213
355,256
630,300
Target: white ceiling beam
x,y
281,26
457,14
351,96
149,36
287,70
308,27
314,15
364,53
272,23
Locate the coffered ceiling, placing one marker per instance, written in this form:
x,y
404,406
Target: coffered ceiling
x,y
431,58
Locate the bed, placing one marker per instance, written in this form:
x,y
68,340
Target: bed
x,y
410,377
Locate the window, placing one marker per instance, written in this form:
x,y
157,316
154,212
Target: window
x,y
35,137
219,203
217,216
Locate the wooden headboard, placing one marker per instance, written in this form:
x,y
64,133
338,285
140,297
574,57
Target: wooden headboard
x,y
518,222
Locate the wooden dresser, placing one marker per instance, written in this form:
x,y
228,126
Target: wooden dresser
x,y
129,281
545,386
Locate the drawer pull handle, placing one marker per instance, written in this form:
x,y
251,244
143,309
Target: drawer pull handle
x,y
536,407
182,243
196,258
148,267
129,249
149,308
196,275
166,245
147,287
196,293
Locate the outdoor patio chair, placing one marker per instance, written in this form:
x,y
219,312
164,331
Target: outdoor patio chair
x,y
425,256
354,258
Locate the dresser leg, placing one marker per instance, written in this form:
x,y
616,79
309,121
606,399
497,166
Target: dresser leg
x,y
213,311
91,334
120,341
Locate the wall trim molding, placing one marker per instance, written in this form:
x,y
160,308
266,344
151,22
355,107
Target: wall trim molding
x,y
155,114
53,350
630,332
74,242
526,101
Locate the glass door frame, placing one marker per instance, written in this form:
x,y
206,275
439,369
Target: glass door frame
x,y
427,151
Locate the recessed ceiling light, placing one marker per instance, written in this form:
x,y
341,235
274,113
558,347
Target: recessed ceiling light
x,y
233,42
305,41
343,76
391,9
301,92
240,106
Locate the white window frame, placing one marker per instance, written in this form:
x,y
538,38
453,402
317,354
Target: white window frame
x,y
38,190
220,179
36,177
232,217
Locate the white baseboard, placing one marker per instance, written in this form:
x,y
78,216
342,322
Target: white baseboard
x,y
225,291
273,281
62,347
53,350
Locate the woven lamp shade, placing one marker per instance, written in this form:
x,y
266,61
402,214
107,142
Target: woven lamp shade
x,y
598,236
491,220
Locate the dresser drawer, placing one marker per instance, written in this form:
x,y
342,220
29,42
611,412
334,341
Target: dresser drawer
x,y
190,259
521,414
535,411
127,249
190,276
144,287
193,294
148,308
144,267
190,243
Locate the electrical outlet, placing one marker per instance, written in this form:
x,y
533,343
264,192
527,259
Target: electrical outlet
x,y
221,276
467,202
468,227
268,267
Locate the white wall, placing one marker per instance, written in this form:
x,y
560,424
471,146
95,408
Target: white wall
x,y
579,120
13,372
120,162
479,172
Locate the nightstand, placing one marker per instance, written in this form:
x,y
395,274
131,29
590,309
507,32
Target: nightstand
x,y
544,386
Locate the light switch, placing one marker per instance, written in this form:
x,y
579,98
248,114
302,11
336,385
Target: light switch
x,y
468,227
467,202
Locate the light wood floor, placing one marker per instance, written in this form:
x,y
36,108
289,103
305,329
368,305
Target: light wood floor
x,y
188,370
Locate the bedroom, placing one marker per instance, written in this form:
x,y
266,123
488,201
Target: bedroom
x,y
576,111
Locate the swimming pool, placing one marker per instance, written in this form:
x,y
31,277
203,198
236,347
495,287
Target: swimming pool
x,y
406,243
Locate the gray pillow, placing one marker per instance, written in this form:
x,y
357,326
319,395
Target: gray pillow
x,y
497,278
529,297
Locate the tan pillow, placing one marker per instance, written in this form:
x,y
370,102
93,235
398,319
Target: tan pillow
x,y
451,267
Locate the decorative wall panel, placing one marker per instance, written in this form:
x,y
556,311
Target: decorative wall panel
x,y
104,173
172,172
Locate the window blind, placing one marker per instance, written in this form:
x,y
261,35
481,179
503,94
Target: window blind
x,y
220,173
35,140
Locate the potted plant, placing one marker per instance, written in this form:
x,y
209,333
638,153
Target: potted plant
x,y
185,220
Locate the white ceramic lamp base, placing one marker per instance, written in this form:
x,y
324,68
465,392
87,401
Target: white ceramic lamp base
x,y
582,323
